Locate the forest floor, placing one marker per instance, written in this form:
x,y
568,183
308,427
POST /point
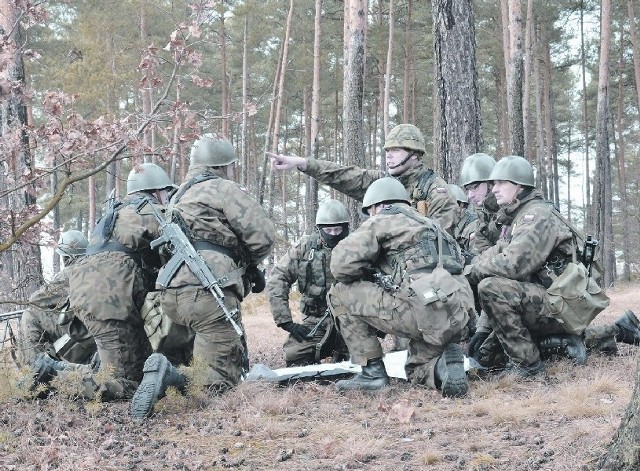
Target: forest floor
x,y
563,421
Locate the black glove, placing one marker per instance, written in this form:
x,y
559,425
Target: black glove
x,y
256,278
474,343
297,331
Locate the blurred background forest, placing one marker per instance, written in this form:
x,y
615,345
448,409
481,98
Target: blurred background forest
x,y
91,88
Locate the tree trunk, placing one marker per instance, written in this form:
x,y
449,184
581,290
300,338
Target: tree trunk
x,y
353,90
526,91
314,147
458,124
244,156
20,266
622,177
387,74
623,453
585,125
223,74
636,52
602,204
514,79
549,120
407,99
540,147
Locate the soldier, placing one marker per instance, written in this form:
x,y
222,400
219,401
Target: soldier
x,y
108,286
467,220
420,293
307,262
233,234
48,325
511,276
405,150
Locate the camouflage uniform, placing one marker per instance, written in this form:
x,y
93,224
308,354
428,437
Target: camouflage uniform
x,y
108,288
231,231
395,242
40,325
510,276
465,228
354,181
307,262
488,229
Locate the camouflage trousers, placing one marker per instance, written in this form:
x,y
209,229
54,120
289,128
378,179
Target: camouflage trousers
x,y
40,329
106,292
516,311
326,342
601,338
362,309
216,342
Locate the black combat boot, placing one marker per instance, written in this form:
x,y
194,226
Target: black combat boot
x,y
159,374
373,378
629,328
451,378
523,371
46,368
568,345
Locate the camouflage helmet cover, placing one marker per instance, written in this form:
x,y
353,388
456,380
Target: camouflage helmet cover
x,y
332,212
148,176
387,189
405,136
476,168
515,169
212,150
458,193
72,244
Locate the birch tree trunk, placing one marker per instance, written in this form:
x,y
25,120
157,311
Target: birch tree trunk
x,y
458,123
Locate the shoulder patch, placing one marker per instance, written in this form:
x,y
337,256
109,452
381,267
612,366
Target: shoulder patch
x,y
441,189
528,218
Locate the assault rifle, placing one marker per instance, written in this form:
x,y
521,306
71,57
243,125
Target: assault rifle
x,y
589,252
315,328
7,316
182,251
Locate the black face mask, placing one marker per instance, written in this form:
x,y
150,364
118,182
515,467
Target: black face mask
x,y
332,240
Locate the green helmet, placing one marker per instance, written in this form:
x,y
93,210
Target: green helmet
x,y
72,244
213,151
458,193
332,213
384,190
406,136
515,169
476,168
148,176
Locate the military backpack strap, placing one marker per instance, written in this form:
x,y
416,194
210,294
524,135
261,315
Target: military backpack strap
x,y
421,191
203,177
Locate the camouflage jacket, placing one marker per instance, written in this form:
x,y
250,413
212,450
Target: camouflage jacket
x,y
111,281
465,228
218,212
399,242
532,235
354,181
487,230
307,263
54,295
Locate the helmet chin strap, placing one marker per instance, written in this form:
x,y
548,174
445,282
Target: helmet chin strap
x,y
405,160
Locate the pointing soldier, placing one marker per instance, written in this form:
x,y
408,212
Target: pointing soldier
x,y
405,149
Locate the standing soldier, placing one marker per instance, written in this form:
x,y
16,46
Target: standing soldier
x,y
233,234
404,159
48,326
420,293
307,262
108,287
